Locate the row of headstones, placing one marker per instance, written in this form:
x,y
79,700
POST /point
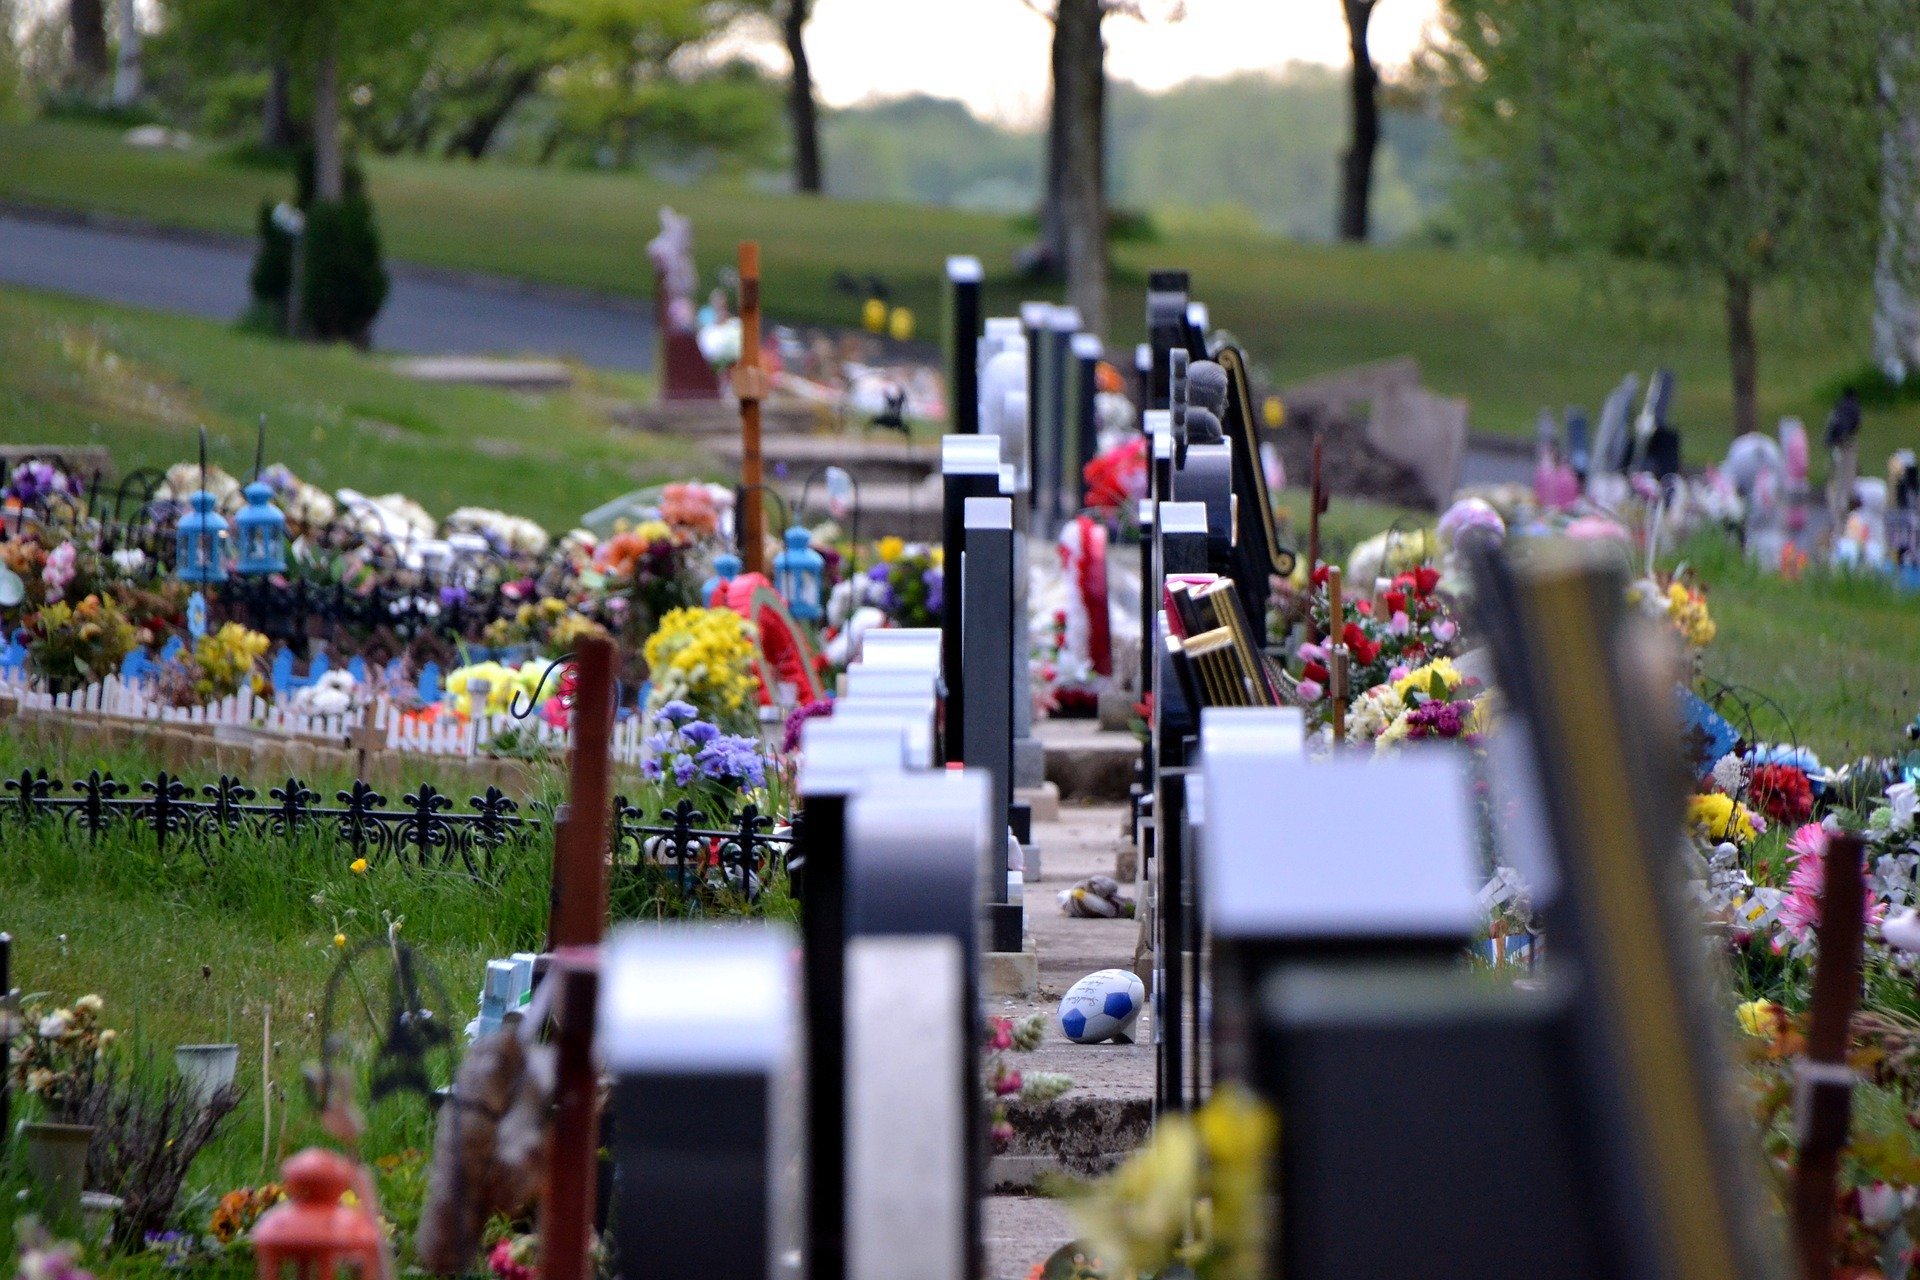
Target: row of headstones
x,y
909,869
745,1089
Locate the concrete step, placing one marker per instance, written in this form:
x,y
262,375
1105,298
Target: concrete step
x,y
1089,764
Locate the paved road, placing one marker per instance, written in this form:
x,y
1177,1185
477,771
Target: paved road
x,y
423,315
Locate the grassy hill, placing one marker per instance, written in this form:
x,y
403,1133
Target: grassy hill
x,y
1509,334
138,382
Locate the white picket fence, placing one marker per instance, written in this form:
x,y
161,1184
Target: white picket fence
x,y
443,735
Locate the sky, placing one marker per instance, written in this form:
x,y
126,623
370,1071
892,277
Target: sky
x,y
992,54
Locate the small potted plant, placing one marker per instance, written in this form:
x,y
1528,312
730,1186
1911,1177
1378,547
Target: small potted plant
x,y
56,1057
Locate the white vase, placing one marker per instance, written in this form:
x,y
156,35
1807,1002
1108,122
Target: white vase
x,y
207,1068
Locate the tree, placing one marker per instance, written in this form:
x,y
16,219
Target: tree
x,y
1073,207
1363,113
87,19
1735,144
803,113
631,73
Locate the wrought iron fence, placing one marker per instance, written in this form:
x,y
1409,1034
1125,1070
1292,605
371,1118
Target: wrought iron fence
x,y
426,829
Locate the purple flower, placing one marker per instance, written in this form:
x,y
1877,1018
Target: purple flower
x,y
683,770
879,572
452,597
797,719
936,584
699,733
658,744
650,769
730,758
678,711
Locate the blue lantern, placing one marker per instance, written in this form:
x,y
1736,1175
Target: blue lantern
x,y
797,573
726,567
262,533
197,542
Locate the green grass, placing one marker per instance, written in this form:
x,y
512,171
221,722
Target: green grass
x,y
139,383
1509,334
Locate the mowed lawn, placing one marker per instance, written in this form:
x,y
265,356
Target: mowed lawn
x,y
1508,333
140,383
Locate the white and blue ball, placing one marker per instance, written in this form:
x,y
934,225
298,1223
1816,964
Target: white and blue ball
x,y
1102,1006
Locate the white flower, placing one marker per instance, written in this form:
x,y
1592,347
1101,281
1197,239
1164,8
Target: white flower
x,y
56,1025
1901,798
89,1004
129,560
1729,774
1902,932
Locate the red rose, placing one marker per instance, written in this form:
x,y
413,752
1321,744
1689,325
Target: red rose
x,y
1319,578
1317,672
1396,601
1425,579
1364,651
1363,607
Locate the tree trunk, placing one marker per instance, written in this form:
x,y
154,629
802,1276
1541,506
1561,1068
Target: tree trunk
x,y
1080,89
127,86
88,20
277,132
1743,354
1356,187
473,138
329,170
1052,249
803,114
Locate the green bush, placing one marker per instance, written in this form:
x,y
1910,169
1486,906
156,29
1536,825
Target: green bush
x,y
344,282
272,274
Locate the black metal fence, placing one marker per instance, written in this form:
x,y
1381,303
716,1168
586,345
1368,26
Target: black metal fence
x,y
426,829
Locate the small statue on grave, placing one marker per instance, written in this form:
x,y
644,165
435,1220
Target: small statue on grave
x,y
672,255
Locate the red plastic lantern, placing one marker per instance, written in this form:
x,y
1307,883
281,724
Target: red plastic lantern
x,y
313,1230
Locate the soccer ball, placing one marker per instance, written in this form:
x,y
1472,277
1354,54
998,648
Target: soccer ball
x,y
1102,1006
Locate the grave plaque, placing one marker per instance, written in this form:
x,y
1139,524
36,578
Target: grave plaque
x,y
915,855
970,468
699,1029
964,277
989,644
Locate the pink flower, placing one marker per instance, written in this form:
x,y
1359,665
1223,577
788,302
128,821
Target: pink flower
x,y
1007,1084
58,571
1313,653
1399,625
1445,629
1309,690
1400,671
1800,911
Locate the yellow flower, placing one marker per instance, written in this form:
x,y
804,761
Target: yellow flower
x,y
339,939
891,548
1421,678
1720,817
358,866
1759,1018
652,531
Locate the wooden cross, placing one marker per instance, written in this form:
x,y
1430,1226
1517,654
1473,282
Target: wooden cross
x,y
750,386
579,917
1823,1096
365,739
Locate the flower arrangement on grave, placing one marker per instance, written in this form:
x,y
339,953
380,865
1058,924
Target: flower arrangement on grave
x,y
696,760
1408,626
57,1053
503,681
236,1212
1192,1201
691,506
704,657
41,1257
906,581
509,535
74,645
1680,605
1432,701
531,625
1006,1083
221,663
36,483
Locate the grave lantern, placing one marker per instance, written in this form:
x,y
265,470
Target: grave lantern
x,y
263,527
263,533
726,567
197,539
313,1232
797,573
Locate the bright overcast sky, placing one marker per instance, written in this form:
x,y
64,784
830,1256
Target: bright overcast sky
x,y
992,54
